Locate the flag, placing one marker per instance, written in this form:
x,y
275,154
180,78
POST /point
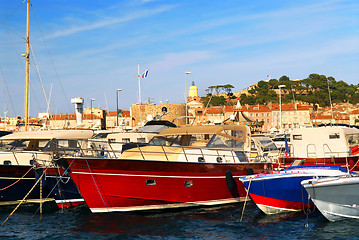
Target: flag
x,y
144,75
286,146
268,76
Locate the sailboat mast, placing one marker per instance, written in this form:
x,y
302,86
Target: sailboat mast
x,y
27,81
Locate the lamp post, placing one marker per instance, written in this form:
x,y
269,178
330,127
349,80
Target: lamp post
x,y
118,90
186,93
92,99
280,105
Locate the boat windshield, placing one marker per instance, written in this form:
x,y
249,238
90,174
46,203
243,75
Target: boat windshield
x,y
197,140
223,142
267,145
23,145
353,139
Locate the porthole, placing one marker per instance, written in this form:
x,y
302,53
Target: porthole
x,y
200,159
151,182
219,159
31,162
7,162
188,183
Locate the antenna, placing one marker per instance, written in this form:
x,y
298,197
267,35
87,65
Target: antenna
x,y
330,101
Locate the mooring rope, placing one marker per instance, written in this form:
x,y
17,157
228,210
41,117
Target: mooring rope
x,y
17,180
245,201
58,181
24,197
98,190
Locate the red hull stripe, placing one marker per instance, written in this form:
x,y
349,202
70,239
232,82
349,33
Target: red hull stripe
x,y
148,175
278,203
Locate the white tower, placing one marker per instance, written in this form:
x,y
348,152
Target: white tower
x,y
79,109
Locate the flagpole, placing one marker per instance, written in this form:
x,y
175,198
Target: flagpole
x,y
139,83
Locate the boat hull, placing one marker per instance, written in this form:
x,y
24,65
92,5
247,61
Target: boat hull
x,y
336,198
277,195
282,191
16,182
63,188
129,185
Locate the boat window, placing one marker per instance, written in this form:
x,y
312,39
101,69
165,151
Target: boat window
x,y
334,136
200,159
219,159
7,162
297,137
353,139
100,135
241,156
221,142
188,183
165,141
200,140
141,140
43,143
267,145
151,182
126,140
253,146
7,145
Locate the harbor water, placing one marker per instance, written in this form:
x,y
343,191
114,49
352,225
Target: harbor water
x,y
197,223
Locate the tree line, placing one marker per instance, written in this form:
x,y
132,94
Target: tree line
x,y
315,89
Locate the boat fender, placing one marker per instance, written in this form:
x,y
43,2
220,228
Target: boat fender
x,y
250,171
230,181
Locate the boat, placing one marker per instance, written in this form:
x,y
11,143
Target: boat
x,y
23,152
263,148
281,191
323,145
180,167
120,141
337,198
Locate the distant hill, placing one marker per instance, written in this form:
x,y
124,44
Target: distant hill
x,y
313,90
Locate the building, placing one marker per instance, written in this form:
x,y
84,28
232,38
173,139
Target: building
x,y
142,112
290,116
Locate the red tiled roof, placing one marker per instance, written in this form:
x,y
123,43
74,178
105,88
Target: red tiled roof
x,y
125,113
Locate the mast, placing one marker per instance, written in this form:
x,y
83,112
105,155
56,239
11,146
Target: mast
x,y
27,55
139,84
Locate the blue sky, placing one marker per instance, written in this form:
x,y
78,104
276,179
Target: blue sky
x,y
91,48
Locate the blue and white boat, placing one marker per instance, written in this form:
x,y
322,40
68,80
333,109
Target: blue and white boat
x,y
282,191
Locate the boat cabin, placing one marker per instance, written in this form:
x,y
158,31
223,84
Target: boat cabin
x,y
21,148
323,142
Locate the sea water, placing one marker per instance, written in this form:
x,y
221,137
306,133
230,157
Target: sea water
x,y
222,222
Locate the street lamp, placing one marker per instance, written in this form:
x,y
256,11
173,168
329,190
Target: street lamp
x,y
118,90
92,99
186,93
280,105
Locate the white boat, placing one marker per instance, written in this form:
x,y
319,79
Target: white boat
x,y
323,145
21,152
337,198
119,141
22,148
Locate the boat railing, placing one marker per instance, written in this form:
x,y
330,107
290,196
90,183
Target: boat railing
x,y
184,153
311,151
165,153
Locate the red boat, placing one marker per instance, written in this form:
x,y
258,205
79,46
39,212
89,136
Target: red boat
x,y
181,167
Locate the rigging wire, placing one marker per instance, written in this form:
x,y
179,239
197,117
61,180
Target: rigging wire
x,y
6,90
38,74
51,59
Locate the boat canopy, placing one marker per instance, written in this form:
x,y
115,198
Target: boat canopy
x,y
50,134
221,130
